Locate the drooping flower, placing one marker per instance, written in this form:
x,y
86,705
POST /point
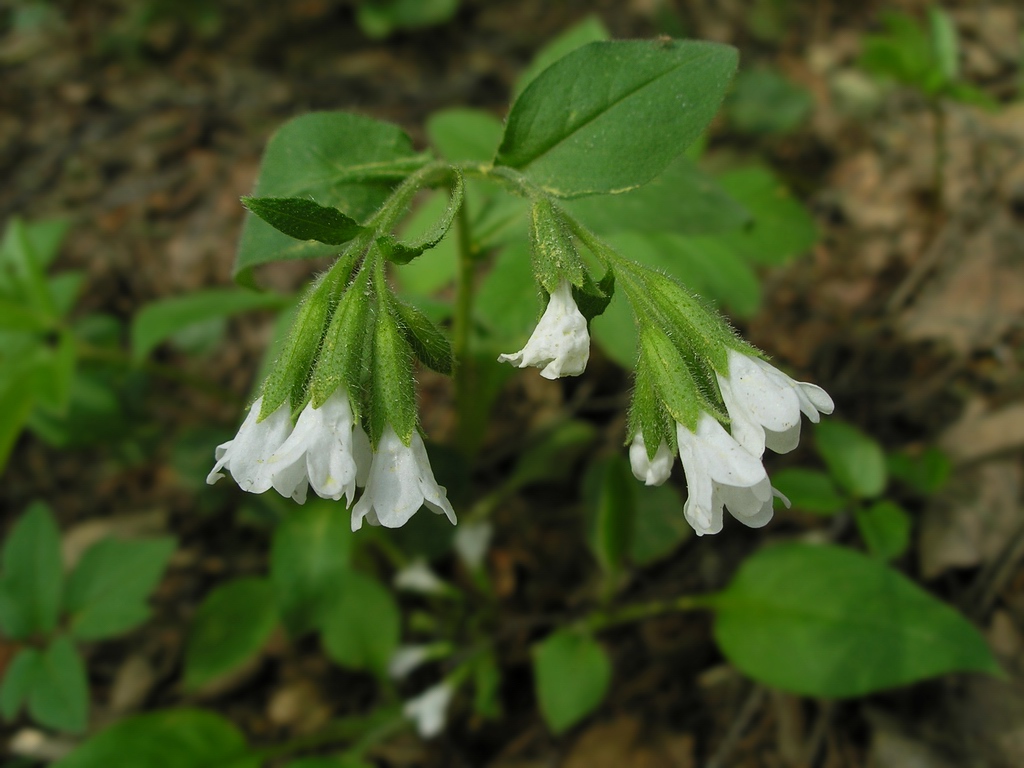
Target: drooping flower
x,y
651,471
429,710
246,456
327,449
720,472
560,344
406,658
764,404
400,482
472,541
418,576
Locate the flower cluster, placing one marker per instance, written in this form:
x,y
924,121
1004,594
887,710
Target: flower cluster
x,y
329,451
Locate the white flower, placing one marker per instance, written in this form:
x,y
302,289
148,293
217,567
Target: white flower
x,y
406,658
472,541
652,471
764,404
429,710
246,456
720,472
327,449
560,343
400,482
419,577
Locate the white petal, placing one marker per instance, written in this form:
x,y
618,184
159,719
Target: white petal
x,y
430,709
418,577
560,344
406,658
472,541
246,456
727,462
651,471
783,442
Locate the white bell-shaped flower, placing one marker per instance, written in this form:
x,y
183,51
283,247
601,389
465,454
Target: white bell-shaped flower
x,y
418,576
720,472
560,344
246,456
764,404
327,449
651,471
400,482
429,710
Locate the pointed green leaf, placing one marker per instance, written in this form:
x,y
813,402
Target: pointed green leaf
x,y
231,626
659,527
429,344
571,673
613,514
26,267
309,562
885,528
361,627
402,253
827,621
18,681
17,399
106,593
60,691
31,581
590,30
304,219
855,460
176,738
611,116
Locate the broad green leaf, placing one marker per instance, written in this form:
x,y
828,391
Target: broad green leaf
x,y
403,252
106,593
17,398
428,342
590,30
26,268
765,102
17,681
231,626
613,512
59,696
682,199
827,621
885,528
182,738
571,673
926,473
855,460
781,228
809,490
160,320
464,134
379,18
659,527
339,159
304,219
361,626
611,116
32,575
309,561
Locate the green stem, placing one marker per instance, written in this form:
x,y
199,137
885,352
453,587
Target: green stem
x,y
363,732
465,369
601,620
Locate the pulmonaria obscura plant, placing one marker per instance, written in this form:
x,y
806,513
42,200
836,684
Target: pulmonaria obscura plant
x,y
337,413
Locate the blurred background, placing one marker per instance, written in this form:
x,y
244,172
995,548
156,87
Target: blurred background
x,y
891,272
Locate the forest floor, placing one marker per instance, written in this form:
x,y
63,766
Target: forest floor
x,y
908,311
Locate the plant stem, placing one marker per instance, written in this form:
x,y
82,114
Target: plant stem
x,y
939,182
465,369
363,731
601,620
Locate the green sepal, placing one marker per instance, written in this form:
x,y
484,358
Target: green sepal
x,y
392,390
304,219
672,380
402,253
286,381
554,255
346,346
428,342
647,415
592,298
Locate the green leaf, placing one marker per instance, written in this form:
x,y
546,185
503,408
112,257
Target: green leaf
x,y
230,627
309,560
17,399
613,513
809,490
59,697
508,302
926,473
429,344
781,229
379,18
106,593
361,628
827,621
160,320
304,219
343,160
763,101
424,277
945,47
552,455
32,578
55,373
855,460
682,199
402,253
572,674
487,687
611,116
659,527
462,135
26,267
182,738
885,528
590,30
18,681
17,317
